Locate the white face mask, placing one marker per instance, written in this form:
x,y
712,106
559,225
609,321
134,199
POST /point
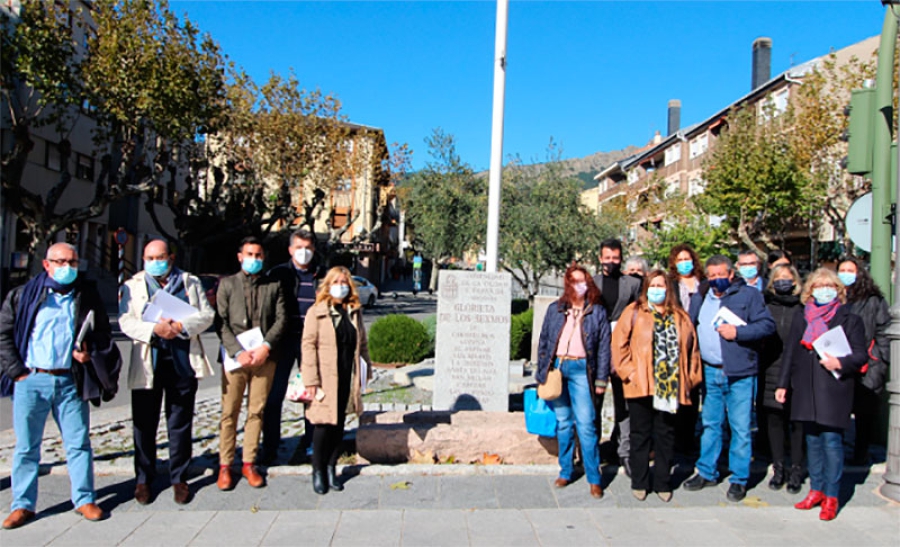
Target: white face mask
x,y
303,256
339,292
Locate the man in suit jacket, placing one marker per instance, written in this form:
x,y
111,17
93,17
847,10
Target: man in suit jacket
x,y
247,300
617,291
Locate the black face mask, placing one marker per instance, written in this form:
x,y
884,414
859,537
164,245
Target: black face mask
x,y
783,286
611,268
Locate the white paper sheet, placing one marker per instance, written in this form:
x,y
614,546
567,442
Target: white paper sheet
x,y
726,316
164,305
835,343
250,339
363,374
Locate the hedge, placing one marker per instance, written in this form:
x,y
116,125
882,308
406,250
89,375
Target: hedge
x,y
398,339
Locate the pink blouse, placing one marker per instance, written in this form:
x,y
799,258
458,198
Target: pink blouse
x,y
571,343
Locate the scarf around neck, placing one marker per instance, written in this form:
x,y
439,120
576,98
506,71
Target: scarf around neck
x,y
817,319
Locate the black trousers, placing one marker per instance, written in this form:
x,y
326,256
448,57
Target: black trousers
x,y
687,427
779,426
326,442
648,424
271,430
179,393
865,415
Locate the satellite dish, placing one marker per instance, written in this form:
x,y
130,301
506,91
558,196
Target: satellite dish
x,y
858,222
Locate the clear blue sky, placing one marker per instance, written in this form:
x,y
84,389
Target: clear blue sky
x,y
595,76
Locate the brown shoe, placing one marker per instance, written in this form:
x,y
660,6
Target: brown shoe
x,y
596,491
142,493
91,511
182,493
225,481
253,477
561,482
17,518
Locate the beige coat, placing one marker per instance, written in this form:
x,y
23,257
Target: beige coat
x,y
319,366
134,298
632,353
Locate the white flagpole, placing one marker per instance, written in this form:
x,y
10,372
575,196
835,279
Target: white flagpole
x,y
493,224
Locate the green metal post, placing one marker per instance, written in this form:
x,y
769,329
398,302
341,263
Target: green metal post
x,y
881,164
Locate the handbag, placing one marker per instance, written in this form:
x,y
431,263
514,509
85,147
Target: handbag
x,y
539,417
296,391
552,386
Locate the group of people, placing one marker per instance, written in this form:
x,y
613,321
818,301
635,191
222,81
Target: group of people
x,y
57,351
722,338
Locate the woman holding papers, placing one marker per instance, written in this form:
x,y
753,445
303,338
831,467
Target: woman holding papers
x,y
866,300
822,382
335,364
655,353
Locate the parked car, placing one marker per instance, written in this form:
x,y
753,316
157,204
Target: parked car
x,y
368,293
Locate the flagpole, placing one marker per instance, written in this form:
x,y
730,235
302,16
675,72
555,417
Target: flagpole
x,y
496,168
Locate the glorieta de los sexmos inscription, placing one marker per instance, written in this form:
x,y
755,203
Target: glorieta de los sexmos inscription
x,y
472,341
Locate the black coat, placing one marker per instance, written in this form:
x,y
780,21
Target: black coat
x,y
782,308
876,319
817,396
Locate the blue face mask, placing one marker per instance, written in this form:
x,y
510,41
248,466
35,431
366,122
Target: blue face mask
x,y
65,275
824,295
748,272
156,268
252,265
656,295
720,285
847,278
685,267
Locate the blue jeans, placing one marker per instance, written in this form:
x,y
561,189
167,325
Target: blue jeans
x,y
36,396
825,458
575,409
731,397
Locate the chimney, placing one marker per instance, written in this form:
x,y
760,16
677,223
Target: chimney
x,y
674,116
762,62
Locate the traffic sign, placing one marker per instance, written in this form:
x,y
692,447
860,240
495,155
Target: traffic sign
x,y
858,222
121,236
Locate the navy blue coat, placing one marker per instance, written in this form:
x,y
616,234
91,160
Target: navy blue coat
x,y
740,357
595,334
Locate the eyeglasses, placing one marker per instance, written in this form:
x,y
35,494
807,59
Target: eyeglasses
x,y
61,262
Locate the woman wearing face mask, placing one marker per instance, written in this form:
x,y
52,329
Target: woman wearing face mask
x,y
822,387
655,353
334,352
686,272
866,300
783,300
575,340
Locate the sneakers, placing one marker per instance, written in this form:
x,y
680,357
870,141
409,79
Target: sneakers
x,y
697,482
737,492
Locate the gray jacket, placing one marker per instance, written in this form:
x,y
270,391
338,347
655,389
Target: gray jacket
x,y
629,290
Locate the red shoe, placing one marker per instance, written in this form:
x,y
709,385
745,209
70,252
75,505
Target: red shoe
x,y
829,509
811,500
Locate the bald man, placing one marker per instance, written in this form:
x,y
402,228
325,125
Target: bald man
x,y
167,358
54,373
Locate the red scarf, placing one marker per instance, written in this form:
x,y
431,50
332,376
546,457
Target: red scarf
x,y
817,319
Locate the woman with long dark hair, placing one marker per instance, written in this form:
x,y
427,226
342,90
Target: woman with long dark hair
x,y
655,353
867,301
575,340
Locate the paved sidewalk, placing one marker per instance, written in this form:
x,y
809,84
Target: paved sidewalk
x,y
475,505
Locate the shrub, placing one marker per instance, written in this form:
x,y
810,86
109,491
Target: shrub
x,y
430,324
398,339
520,335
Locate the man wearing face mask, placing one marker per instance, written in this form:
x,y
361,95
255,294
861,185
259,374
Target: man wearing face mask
x,y
246,300
729,349
54,372
748,268
299,278
616,292
167,358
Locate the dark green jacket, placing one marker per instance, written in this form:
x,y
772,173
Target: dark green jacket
x,y
232,308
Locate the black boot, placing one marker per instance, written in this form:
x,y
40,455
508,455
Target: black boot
x,y
336,485
319,481
777,476
795,480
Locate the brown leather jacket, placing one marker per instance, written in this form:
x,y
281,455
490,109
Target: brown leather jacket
x,y
632,353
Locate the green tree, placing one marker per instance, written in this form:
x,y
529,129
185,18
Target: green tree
x,y
446,205
144,81
543,224
693,229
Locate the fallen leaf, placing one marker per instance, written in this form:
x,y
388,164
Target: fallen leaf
x,y
491,459
422,457
402,485
755,501
254,508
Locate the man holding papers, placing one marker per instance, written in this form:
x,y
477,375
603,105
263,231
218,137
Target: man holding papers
x,y
822,355
731,319
251,306
164,310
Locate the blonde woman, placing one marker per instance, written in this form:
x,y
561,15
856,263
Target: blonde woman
x,y
822,388
334,349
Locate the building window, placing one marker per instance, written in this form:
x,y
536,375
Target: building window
x,y
673,154
52,160
84,168
673,186
633,176
780,101
695,186
699,145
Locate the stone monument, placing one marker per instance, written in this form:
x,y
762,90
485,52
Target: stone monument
x,y
472,341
